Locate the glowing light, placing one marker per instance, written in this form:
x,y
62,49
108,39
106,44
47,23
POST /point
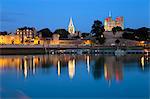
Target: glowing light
x,y
33,65
25,68
71,68
58,66
105,71
88,64
142,62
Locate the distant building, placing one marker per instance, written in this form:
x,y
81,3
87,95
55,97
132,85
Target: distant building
x,y
10,39
109,23
71,28
26,33
55,36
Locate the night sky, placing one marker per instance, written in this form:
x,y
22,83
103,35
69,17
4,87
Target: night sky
x,y
54,14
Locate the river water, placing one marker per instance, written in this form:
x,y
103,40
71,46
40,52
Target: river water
x,y
74,76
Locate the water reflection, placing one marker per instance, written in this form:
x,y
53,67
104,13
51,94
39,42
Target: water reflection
x,y
109,67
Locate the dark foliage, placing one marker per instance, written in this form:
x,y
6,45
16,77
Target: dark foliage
x,y
45,33
117,41
137,34
97,30
62,32
97,69
3,33
84,35
116,29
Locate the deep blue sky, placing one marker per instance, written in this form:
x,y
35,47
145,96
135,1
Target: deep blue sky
x,y
55,13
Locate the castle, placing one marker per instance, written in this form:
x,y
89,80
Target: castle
x,y
109,23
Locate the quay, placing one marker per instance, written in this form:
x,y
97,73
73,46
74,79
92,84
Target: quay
x,y
70,49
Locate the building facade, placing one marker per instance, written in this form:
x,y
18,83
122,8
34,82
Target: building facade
x,y
26,33
10,39
109,23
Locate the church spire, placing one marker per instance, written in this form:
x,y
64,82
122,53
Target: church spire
x,y
71,22
71,28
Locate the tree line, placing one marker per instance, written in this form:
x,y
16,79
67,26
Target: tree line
x,y
140,34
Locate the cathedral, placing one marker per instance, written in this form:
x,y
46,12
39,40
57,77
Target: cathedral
x,y
110,23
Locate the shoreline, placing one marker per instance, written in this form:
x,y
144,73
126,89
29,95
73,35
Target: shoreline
x,y
69,49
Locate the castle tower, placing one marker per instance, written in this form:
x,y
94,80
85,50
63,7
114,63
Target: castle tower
x,y
109,23
71,28
120,22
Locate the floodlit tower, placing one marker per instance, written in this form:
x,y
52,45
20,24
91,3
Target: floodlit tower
x,y
71,28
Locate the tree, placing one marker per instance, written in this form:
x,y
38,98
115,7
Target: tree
x,y
76,37
97,30
45,33
129,30
116,29
142,33
117,41
137,34
84,35
127,35
3,33
62,32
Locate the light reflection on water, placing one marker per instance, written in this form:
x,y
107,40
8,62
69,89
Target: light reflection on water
x,y
75,75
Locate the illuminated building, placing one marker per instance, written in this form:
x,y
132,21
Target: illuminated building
x,y
71,28
26,33
55,40
109,23
120,22
10,39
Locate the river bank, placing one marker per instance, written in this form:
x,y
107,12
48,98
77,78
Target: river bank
x,y
71,49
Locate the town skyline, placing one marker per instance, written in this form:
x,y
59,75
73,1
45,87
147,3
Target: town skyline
x,y
42,15
74,49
